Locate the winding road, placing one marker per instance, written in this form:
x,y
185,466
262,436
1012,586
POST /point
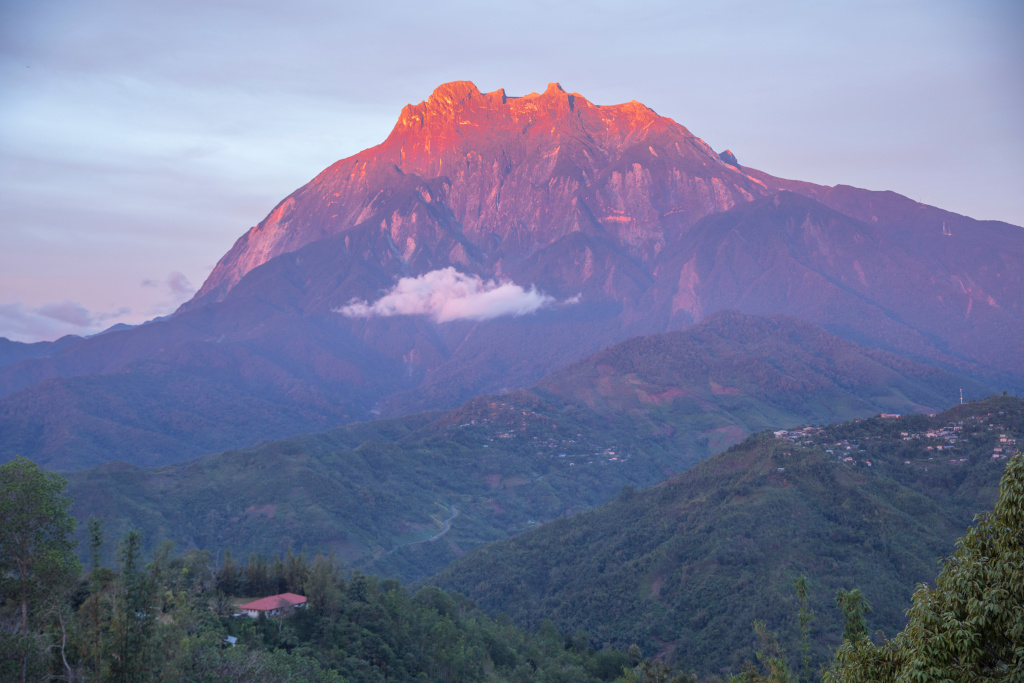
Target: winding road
x,y
442,532
447,526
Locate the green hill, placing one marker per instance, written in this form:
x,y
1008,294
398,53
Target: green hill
x,y
685,567
404,497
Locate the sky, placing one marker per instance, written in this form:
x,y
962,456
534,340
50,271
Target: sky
x,y
139,140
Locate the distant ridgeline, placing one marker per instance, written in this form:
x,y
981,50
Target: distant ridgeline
x,y
684,568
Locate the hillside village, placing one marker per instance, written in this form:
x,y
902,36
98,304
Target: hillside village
x,y
503,422
922,442
918,441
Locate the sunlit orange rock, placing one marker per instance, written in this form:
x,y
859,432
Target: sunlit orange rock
x,y
466,178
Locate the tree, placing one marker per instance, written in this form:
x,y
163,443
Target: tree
x,y
93,610
134,613
95,543
36,550
771,656
854,606
227,575
970,627
804,619
322,587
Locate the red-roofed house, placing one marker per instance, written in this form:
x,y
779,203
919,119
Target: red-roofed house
x,y
273,605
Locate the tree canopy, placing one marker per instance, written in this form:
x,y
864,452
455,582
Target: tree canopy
x,y
970,626
37,558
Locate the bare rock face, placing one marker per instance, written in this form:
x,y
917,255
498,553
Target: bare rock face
x,y
469,178
728,157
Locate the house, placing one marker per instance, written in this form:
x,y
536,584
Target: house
x,y
274,605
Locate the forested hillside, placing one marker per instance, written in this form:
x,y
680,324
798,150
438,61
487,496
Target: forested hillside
x,y
176,616
685,567
374,493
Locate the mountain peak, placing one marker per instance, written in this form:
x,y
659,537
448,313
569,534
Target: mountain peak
x,y
728,157
454,108
483,173
453,93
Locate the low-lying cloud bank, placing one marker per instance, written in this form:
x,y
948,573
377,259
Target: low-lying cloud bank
x,y
446,295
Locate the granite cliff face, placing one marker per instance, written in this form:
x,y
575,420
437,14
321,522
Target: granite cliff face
x,y
619,220
483,181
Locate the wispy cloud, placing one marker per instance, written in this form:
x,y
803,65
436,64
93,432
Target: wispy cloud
x,y
176,283
53,320
67,312
446,295
179,284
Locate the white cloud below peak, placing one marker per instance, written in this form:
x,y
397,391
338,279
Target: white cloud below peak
x,y
446,295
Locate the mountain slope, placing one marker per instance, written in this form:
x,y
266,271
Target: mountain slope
x,y
12,351
731,358
374,492
945,298
684,567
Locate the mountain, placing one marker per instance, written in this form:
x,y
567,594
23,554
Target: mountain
x,y
776,367
896,285
374,493
685,567
489,240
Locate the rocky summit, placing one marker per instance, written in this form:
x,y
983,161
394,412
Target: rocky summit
x,y
483,181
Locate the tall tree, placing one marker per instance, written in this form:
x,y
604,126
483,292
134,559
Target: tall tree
x,y
134,614
804,619
36,551
227,575
94,610
854,607
95,543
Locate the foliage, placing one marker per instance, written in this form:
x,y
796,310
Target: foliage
x,y
804,619
373,493
133,614
37,562
162,620
970,626
854,607
682,569
771,657
694,557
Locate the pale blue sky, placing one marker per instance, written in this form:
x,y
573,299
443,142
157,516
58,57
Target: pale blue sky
x,y
139,140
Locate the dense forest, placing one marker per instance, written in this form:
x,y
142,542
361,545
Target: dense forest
x,y
170,619
124,614
174,617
